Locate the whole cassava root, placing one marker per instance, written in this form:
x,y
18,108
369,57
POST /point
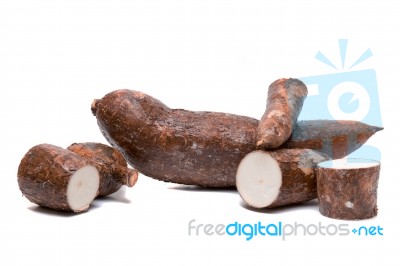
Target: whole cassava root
x,y
284,103
174,145
56,178
197,148
347,188
110,163
277,178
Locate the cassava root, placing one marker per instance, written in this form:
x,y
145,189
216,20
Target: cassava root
x,y
277,178
56,178
284,103
335,138
203,148
110,163
347,188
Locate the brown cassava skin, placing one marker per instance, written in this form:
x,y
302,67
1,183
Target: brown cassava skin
x,y
299,182
335,138
284,103
44,174
359,186
174,145
110,163
185,147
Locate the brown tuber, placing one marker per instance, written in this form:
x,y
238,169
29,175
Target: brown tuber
x,y
278,178
284,103
347,188
56,178
110,163
175,145
335,138
202,148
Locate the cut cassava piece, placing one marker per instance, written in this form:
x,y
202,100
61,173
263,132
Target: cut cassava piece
x,y
56,178
347,188
278,178
197,148
110,163
284,103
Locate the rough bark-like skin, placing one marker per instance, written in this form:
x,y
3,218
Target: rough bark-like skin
x,y
299,181
174,145
284,103
194,148
348,194
110,163
335,138
44,174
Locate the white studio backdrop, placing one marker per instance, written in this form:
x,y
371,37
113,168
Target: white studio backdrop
x,y
57,56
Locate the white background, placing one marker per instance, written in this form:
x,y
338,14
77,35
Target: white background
x,y
57,56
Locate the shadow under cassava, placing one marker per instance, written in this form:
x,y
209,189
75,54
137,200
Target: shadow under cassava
x,y
313,204
119,196
191,188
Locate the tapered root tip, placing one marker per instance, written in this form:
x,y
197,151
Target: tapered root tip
x,y
376,129
94,106
132,177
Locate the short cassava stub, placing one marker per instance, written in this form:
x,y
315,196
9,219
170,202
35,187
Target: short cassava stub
x,y
278,178
53,177
110,163
348,188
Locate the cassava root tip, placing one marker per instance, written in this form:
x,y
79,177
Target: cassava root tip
x,y
93,107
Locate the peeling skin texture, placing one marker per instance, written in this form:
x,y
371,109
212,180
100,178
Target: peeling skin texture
x,y
284,103
299,182
110,163
348,194
44,173
194,148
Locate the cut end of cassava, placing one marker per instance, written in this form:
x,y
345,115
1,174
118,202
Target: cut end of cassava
x,y
110,163
82,188
132,177
258,179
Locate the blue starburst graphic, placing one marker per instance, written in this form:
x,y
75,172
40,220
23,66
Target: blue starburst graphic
x,y
343,51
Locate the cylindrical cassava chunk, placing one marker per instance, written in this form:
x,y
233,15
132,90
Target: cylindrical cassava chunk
x,y
284,103
277,178
194,148
110,163
335,138
56,178
347,188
